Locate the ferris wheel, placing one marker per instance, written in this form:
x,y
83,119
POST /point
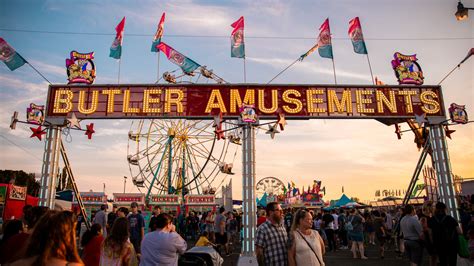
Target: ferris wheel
x,y
270,185
178,156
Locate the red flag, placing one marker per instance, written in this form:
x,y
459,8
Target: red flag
x,y
120,28
237,39
324,40
355,33
158,34
116,48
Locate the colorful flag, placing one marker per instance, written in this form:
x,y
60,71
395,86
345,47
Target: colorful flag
x,y
116,48
9,56
186,64
158,34
310,51
357,38
324,42
237,39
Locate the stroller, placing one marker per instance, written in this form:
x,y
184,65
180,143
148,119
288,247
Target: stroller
x,y
204,256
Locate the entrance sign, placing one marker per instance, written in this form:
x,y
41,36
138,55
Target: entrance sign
x,y
204,101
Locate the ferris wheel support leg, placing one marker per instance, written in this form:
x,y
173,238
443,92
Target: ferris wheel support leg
x,y
442,165
50,169
249,204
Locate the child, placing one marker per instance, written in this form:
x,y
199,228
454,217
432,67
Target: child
x,y
204,241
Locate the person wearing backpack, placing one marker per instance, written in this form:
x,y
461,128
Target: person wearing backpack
x,y
444,231
355,229
342,220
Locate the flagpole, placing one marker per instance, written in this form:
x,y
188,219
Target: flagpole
x,y
158,74
37,71
118,78
245,73
281,72
370,67
334,70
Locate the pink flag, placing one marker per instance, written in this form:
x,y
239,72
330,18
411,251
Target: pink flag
x,y
158,34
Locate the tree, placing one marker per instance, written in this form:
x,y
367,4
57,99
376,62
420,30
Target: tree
x,y
64,181
21,178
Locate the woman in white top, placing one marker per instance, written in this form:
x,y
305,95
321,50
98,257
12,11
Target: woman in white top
x,y
306,245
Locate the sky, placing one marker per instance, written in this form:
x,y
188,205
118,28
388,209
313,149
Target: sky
x,y
359,156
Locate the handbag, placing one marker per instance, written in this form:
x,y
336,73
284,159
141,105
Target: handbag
x,y
463,247
316,254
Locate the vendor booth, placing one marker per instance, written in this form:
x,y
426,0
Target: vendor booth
x,y
168,203
199,203
91,200
126,199
12,200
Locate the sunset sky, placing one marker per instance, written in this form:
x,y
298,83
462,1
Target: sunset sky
x,y
360,155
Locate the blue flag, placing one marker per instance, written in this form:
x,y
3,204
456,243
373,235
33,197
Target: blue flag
x,y
9,56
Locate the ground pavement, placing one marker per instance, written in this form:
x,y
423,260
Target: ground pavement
x,y
340,257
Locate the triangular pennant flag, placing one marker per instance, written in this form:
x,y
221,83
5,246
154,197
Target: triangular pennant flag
x,y
116,48
357,38
237,39
324,41
158,34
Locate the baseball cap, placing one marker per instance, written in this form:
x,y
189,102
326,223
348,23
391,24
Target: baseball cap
x,y
134,204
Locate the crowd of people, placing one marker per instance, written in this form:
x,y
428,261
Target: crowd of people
x,y
301,236
284,237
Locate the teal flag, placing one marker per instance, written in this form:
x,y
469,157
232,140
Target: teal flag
x,y
324,42
185,63
116,48
9,56
158,34
357,38
237,45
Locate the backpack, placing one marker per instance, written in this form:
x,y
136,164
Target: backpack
x,y
348,226
447,235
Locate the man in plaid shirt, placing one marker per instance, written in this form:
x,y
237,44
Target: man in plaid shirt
x,y
271,242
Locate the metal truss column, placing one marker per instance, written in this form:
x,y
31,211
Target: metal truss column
x,y
49,172
249,219
442,165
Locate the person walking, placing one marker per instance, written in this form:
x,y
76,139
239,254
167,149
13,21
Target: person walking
x,y
306,247
137,227
380,231
220,232
117,249
355,228
162,246
412,236
328,225
444,230
101,218
271,239
152,223
111,218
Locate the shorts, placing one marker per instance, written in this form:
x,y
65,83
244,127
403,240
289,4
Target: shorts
x,y
356,236
209,228
414,251
221,239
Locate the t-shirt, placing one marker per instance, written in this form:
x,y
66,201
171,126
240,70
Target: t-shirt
x,y
202,242
411,227
288,220
328,221
162,248
136,224
217,224
111,219
444,231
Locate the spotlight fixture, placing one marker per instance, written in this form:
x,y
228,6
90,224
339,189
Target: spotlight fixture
x,y
462,12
